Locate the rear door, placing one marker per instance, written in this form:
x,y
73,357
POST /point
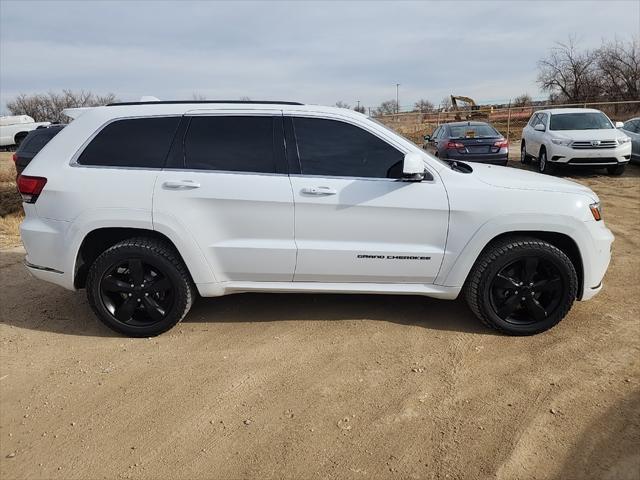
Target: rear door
x,y
226,186
356,221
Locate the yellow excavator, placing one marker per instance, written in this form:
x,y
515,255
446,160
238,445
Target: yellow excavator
x,y
474,113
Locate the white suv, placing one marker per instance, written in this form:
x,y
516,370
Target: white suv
x,y
147,204
574,137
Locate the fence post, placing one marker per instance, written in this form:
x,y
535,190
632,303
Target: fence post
x,y
509,122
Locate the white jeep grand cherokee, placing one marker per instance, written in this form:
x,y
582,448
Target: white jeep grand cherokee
x,y
147,204
575,137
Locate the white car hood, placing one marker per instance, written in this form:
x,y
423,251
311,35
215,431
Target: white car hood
x,y
509,177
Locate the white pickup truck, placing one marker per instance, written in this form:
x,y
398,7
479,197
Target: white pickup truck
x,y
13,129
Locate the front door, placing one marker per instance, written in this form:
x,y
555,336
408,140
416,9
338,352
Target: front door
x,y
355,219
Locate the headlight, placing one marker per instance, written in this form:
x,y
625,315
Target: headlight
x,y
596,211
623,140
562,141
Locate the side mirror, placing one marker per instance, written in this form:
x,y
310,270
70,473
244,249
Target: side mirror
x,y
413,168
619,124
539,127
427,138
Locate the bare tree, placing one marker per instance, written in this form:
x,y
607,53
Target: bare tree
x,y
244,98
198,96
387,107
523,100
423,106
359,108
619,66
445,103
341,104
568,74
47,107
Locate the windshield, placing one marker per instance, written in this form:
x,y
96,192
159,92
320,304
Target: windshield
x,y
580,121
472,131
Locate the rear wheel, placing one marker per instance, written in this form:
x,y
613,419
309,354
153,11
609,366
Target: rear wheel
x,y
139,287
617,169
544,166
522,286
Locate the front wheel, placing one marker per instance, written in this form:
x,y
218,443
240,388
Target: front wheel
x,y
140,287
544,166
521,286
524,157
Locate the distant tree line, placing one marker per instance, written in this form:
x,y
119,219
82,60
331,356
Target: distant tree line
x,y
610,72
47,107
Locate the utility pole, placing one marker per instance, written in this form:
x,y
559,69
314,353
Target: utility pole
x,y
397,99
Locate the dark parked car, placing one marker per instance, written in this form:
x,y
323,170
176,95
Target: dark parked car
x,y
632,129
469,141
32,144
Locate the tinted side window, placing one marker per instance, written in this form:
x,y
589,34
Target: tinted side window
x,y
435,133
534,119
334,148
135,142
238,144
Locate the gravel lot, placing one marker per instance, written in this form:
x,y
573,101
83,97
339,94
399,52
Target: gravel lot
x,y
299,386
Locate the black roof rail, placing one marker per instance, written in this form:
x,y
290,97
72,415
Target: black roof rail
x,y
176,102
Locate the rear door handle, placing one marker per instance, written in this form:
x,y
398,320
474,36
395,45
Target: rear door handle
x,y
319,191
180,185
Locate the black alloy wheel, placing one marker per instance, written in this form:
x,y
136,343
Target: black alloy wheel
x,y
136,292
527,291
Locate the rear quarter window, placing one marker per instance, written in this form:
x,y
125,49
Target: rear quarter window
x,y
134,142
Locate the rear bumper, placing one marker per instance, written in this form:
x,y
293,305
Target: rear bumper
x,y
493,159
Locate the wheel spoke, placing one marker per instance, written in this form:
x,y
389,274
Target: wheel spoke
x,y
136,271
112,284
535,309
530,268
161,285
548,285
503,281
155,311
509,306
125,311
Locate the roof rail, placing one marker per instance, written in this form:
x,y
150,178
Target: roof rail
x,y
175,102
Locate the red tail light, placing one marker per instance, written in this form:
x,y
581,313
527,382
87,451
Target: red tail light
x,y
30,187
454,145
502,143
14,157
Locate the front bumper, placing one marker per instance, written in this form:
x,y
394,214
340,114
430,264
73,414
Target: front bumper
x,y
596,157
597,258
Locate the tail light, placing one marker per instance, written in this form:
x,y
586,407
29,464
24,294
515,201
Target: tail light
x,y
30,187
503,143
454,145
14,157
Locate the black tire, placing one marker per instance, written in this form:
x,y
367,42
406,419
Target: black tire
x,y
163,296
530,305
544,166
524,157
617,170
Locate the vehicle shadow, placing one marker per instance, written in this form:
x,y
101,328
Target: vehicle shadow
x,y
608,448
632,170
36,305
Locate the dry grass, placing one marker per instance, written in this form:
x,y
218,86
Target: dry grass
x,y
11,213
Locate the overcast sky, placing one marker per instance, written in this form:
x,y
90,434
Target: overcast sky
x,y
314,52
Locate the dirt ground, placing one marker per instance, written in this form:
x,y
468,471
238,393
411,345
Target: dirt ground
x,y
325,386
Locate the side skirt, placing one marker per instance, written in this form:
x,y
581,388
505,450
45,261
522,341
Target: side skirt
x,y
227,288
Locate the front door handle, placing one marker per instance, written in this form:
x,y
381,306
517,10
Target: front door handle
x,y
319,191
180,184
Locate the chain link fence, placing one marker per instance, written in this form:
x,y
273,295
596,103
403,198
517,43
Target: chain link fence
x,y
509,121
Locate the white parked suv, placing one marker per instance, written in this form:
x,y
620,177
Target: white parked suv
x,y
574,137
147,204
